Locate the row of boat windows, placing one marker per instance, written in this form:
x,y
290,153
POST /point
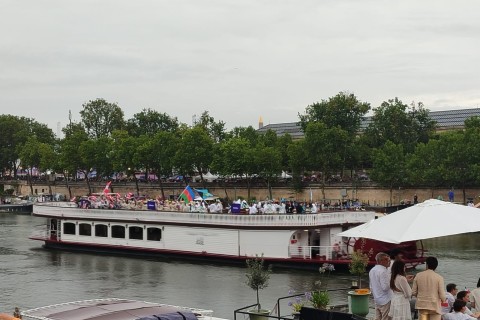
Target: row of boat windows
x,y
117,231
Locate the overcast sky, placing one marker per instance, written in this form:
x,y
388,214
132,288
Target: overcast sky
x,y
239,60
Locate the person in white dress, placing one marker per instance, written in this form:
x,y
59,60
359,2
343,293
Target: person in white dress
x,y
402,293
475,297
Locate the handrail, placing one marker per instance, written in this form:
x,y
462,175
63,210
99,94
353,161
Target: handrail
x,y
299,220
278,311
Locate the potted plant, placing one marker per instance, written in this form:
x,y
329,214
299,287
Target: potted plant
x,y
257,278
359,298
298,302
358,265
320,299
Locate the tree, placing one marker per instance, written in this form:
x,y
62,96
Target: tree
x,y
149,122
389,166
269,163
297,161
396,122
343,110
236,156
124,155
325,149
68,159
14,133
156,152
257,276
248,133
424,166
100,118
95,154
195,152
216,130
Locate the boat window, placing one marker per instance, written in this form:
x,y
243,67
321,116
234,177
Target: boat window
x,y
85,229
118,232
154,234
101,230
135,233
69,228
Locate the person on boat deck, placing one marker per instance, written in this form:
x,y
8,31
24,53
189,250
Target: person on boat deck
x,y
458,312
428,287
253,209
314,208
450,294
219,206
465,296
282,208
397,254
380,286
212,208
475,297
402,293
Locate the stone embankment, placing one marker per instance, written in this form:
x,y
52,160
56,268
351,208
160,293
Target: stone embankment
x,y
368,193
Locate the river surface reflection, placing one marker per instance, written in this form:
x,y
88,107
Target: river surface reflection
x,y
33,277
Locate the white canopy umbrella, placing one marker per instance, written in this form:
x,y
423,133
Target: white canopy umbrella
x,y
429,219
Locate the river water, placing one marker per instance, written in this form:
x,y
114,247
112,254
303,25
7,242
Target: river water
x,y
32,276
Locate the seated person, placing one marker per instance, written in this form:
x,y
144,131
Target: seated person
x,y
450,294
475,297
465,296
458,312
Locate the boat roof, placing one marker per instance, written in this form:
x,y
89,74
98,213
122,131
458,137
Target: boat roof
x,y
113,309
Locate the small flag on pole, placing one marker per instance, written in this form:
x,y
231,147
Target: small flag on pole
x,y
188,194
107,187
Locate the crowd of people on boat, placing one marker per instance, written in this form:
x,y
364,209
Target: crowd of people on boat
x,y
132,202
426,298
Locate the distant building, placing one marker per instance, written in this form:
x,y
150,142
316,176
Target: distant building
x,y
446,120
260,123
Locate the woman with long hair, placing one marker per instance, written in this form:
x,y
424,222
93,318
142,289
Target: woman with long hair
x,y
402,293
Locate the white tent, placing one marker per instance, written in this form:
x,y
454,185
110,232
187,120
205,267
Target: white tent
x,y
429,219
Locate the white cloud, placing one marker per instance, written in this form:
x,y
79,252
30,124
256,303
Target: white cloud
x,y
237,59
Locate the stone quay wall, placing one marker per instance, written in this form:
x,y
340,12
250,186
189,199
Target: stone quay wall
x,y
367,193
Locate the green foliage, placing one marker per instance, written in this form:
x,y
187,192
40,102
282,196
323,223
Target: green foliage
x,y
257,275
401,124
359,262
320,299
343,111
100,118
389,166
149,122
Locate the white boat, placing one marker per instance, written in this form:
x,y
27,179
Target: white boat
x,y
302,241
110,309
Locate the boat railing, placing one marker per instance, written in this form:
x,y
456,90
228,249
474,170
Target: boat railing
x,y
316,252
300,220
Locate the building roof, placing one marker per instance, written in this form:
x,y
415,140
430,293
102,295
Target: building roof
x,y
446,120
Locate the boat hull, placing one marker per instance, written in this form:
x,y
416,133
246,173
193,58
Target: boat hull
x,y
289,241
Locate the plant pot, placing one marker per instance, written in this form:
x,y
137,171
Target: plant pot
x,y
359,303
261,314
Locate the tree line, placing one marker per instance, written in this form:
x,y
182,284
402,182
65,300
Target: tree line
x,y
400,146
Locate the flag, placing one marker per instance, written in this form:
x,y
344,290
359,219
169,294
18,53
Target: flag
x,y
107,187
188,194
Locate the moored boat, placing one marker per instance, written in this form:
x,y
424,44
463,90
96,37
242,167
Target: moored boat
x,y
106,309
304,241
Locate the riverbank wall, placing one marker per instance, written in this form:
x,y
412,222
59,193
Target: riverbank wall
x,y
367,193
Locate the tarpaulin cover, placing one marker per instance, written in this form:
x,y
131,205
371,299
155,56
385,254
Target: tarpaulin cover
x,y
109,309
